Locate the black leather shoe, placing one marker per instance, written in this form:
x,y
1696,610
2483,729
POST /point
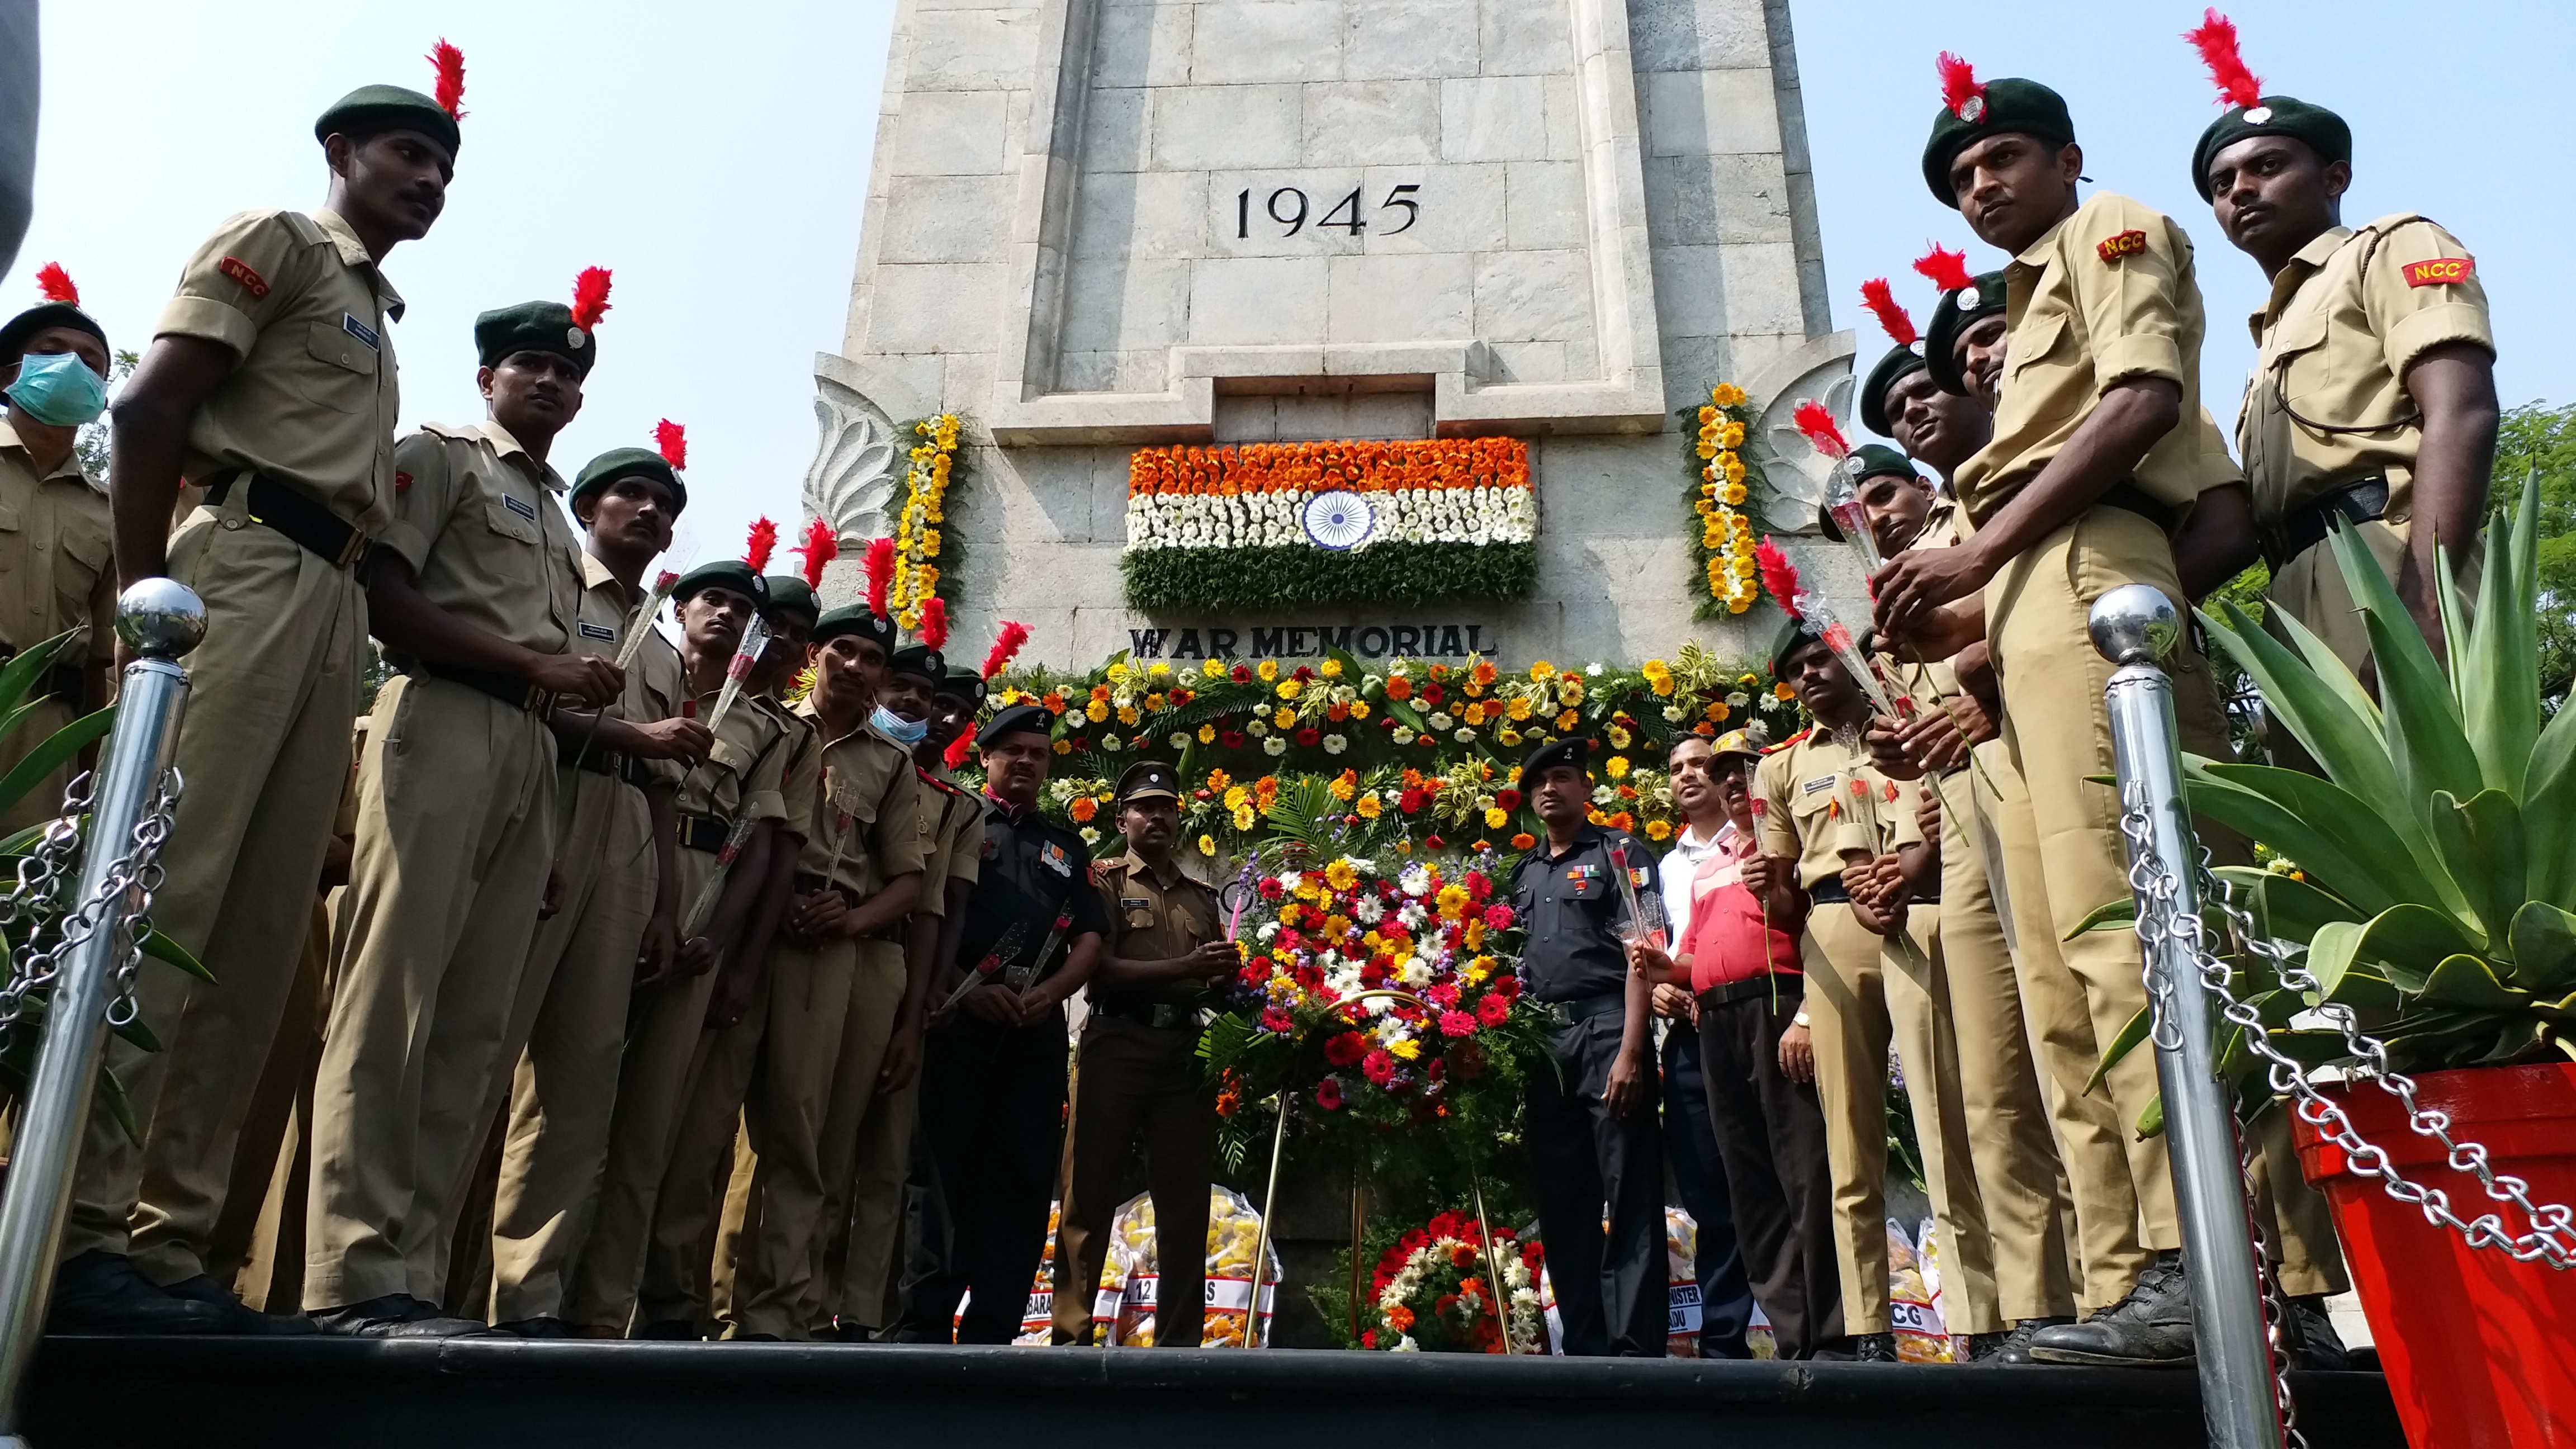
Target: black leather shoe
x,y
672,1329
2150,1327
101,1292
239,1317
396,1315
1875,1348
2313,1342
2014,1347
534,1328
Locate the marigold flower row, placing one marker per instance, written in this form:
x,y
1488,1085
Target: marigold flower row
x,y
1356,466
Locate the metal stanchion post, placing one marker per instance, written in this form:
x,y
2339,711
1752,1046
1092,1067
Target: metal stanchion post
x,y
159,619
2134,626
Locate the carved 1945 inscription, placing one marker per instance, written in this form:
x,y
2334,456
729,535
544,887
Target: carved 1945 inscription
x,y
1289,207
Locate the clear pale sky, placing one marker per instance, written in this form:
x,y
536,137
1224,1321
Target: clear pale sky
x,y
717,158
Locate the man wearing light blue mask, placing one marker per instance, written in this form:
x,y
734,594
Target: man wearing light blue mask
x,y
55,569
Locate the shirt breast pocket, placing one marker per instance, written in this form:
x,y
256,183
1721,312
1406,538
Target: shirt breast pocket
x,y
1813,810
2042,337
509,523
83,557
2302,365
341,372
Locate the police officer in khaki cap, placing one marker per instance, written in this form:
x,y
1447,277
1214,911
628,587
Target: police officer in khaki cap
x,y
269,384
1137,1076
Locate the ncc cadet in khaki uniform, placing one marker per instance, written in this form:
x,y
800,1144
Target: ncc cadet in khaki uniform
x,y
2373,396
854,1296
2009,1141
1830,812
2094,453
666,1026
836,981
476,592
270,384
617,928
54,533
1137,1076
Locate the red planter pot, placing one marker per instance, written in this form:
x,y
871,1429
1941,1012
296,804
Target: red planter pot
x,y
2480,1350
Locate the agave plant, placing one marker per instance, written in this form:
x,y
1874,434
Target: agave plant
x,y
2437,858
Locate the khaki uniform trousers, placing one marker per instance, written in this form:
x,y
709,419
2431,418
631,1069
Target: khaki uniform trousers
x,y
264,753
2010,1146
432,940
663,1031
679,1284
862,1265
561,1092
44,799
802,1125
1133,1083
1861,996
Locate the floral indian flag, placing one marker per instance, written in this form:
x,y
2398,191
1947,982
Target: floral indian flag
x,y
1274,525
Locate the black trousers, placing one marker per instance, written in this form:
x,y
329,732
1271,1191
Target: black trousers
x,y
1771,1135
1699,1174
992,1106
1612,1292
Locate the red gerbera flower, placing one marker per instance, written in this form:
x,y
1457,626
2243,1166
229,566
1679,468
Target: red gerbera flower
x,y
1310,736
1493,1010
1242,674
1498,918
1231,739
1411,802
1379,1067
1433,693
1328,1094
1457,1023
1275,1020
1345,1048
1508,799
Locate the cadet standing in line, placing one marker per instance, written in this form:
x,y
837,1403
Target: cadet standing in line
x,y
740,781
993,1072
270,383
2093,456
1137,1076
2009,1142
836,982
55,358
2373,396
1594,1136
617,929
1828,816
475,590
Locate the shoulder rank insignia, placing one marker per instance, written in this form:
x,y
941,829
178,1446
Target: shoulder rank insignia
x,y
2129,243
2440,271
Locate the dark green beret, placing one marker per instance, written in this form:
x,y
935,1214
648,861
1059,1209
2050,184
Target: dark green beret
x,y
1895,367
534,327
1866,461
964,683
619,463
1030,719
852,619
2008,105
791,592
370,110
1785,643
14,335
1548,756
1956,313
1149,780
731,574
921,662
2323,130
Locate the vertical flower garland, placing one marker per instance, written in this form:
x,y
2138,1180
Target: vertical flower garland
x,y
920,534
1722,479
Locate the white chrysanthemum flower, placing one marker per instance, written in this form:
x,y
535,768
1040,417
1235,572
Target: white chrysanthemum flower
x,y
1335,744
1090,835
1269,931
1111,744
1464,736
1675,714
1415,881
1402,736
1258,728
1440,719
1370,910
1275,745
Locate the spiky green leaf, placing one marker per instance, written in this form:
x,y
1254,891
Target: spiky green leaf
x,y
50,756
2482,840
2335,838
2471,983
2543,939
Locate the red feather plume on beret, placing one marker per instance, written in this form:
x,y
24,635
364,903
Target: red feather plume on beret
x,y
1817,422
821,546
1779,576
590,297
1960,93
879,565
1881,302
2216,41
56,284
1944,268
672,442
1005,647
760,545
934,622
451,78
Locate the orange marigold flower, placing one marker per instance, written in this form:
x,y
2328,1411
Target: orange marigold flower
x,y
1523,841
1399,688
1082,809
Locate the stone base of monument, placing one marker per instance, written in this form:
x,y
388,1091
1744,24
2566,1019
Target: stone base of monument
x,y
494,1393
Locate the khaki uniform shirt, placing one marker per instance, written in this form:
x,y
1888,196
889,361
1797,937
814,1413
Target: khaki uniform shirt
x,y
55,569
869,824
1156,918
476,518
655,683
1812,812
313,403
2108,294
958,851
800,780
2327,401
745,768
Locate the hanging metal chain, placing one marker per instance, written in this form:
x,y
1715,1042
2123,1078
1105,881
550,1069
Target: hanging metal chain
x,y
46,932
35,903
138,877
2552,1239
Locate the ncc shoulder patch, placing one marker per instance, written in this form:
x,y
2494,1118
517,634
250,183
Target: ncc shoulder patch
x,y
2440,271
2129,243
244,273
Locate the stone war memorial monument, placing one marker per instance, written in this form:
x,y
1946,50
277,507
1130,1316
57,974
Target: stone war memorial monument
x,y
1274,325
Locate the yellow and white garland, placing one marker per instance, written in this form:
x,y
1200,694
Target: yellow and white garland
x,y
917,535
1726,536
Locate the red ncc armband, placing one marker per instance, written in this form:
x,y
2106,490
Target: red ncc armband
x,y
2440,271
2127,244
244,273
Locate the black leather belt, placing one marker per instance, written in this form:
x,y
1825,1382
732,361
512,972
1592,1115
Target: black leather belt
x,y
600,762
705,832
1831,891
1583,1008
1160,1015
2130,498
510,689
2357,502
1770,983
308,523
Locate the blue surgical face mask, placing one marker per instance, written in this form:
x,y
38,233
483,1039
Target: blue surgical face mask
x,y
897,728
58,389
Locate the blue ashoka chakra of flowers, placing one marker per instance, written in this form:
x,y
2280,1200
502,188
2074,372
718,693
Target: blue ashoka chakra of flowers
x,y
1339,520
